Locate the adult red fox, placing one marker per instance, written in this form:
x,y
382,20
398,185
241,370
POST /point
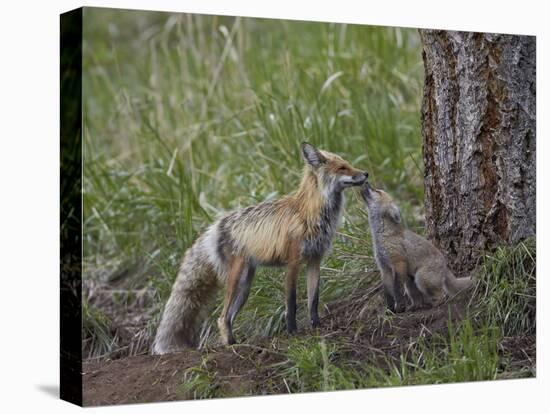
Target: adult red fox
x,y
295,229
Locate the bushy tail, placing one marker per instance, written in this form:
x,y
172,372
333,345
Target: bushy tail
x,y
186,308
454,285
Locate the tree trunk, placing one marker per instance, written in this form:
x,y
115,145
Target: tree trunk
x,y
478,126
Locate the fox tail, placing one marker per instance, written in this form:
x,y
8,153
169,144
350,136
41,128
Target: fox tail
x,y
186,309
454,285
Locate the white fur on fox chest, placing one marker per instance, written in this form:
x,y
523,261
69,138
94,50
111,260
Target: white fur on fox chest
x,y
381,256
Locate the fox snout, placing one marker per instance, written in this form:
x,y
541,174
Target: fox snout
x,y
366,191
353,180
360,178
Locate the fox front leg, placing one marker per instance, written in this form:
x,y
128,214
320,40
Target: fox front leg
x,y
399,296
399,276
290,290
290,286
313,276
387,283
393,291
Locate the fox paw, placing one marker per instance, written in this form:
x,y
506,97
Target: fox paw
x,y
400,308
419,306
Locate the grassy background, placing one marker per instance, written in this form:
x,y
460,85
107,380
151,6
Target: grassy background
x,y
188,116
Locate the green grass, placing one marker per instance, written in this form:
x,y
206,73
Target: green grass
x,y
96,326
200,383
466,354
311,367
507,289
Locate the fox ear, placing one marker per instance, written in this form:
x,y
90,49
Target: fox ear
x,y
311,155
394,214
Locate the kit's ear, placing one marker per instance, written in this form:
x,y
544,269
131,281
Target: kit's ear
x,y
394,214
311,155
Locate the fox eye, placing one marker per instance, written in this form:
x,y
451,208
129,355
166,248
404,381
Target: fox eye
x,y
342,169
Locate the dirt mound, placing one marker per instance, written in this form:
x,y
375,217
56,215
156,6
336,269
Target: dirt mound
x,y
367,331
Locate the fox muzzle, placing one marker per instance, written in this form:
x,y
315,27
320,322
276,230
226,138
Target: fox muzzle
x,y
359,179
366,191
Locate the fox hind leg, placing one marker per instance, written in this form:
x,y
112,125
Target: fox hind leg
x,y
231,293
414,294
243,289
431,287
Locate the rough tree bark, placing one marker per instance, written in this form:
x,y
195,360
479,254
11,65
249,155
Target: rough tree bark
x,y
478,126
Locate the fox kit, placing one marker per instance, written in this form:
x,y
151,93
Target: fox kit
x,y
295,229
405,258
